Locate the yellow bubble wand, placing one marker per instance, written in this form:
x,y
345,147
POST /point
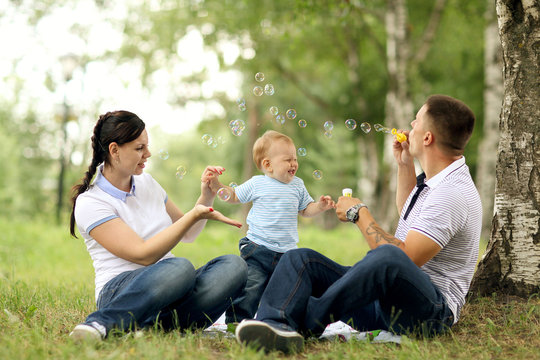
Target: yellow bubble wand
x,y
399,136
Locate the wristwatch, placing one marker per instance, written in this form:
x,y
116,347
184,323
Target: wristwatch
x,y
352,213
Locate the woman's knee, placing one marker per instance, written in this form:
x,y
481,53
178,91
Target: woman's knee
x,y
177,269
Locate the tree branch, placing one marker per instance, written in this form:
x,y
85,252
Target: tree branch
x,y
429,32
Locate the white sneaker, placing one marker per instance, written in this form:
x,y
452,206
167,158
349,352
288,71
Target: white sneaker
x,y
261,335
84,332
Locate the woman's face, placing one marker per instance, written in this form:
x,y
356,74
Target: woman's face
x,y
133,155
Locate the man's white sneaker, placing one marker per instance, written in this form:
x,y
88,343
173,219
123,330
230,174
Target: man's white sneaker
x,y
84,332
261,335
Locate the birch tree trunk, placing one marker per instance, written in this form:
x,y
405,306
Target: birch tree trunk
x,y
493,92
511,264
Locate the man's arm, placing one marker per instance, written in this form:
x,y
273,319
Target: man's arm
x,y
406,175
417,246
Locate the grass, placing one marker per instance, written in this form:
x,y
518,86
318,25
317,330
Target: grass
x,y
46,288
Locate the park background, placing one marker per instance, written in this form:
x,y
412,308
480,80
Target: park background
x,y
187,68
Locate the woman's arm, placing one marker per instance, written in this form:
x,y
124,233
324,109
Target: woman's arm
x,y
118,238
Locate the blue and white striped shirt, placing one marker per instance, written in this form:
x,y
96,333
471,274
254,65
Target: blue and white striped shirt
x,y
449,212
273,218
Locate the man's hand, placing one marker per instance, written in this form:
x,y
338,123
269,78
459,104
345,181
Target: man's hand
x,y
401,150
344,203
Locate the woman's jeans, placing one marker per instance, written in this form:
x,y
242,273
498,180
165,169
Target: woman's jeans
x,y
170,294
385,290
261,263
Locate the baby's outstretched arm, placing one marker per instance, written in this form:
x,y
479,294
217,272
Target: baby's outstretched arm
x,y
315,208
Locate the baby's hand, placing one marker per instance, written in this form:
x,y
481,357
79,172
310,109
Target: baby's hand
x,y
210,177
326,203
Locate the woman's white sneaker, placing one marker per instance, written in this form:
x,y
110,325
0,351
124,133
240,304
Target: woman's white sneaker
x,y
261,335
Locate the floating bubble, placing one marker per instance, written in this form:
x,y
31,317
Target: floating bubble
x,y
280,119
258,90
317,174
269,89
386,130
180,172
213,143
241,101
328,126
291,114
224,194
302,123
206,138
273,110
328,134
242,107
259,77
301,152
163,154
365,127
378,127
233,184
237,131
350,124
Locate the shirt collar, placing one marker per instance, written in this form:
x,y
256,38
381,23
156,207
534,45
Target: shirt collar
x,y
434,181
110,189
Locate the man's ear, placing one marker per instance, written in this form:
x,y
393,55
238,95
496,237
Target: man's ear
x,y
428,138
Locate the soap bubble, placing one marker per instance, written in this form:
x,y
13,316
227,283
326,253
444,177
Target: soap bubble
x,y
269,89
328,126
233,184
302,123
302,152
365,127
180,172
386,130
280,119
378,127
258,90
328,134
273,110
350,124
291,114
259,76
206,138
241,101
224,194
242,107
237,127
317,174
163,154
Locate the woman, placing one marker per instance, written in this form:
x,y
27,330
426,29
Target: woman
x,y
130,226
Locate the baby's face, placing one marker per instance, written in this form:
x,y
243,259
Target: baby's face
x,y
282,163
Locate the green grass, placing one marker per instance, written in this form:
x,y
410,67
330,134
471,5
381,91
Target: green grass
x,y
46,288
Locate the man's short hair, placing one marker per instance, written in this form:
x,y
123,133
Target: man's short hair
x,y
262,145
452,122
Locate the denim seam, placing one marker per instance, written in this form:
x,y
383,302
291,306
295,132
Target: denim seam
x,y
298,281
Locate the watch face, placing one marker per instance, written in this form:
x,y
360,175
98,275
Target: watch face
x,y
352,214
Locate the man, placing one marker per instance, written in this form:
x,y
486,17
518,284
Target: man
x,y
414,281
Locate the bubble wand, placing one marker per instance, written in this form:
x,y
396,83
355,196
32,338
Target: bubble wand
x,y
401,137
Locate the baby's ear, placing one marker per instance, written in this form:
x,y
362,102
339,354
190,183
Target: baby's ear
x,y
266,165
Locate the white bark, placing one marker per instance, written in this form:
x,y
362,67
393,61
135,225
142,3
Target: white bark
x,y
511,264
493,94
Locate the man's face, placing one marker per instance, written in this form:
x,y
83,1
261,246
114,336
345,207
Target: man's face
x,y
416,135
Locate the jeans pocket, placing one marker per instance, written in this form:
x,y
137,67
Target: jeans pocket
x,y
247,248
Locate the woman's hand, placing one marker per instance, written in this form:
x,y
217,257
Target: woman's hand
x,y
210,180
209,213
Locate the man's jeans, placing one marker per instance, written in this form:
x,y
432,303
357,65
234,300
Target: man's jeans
x,y
261,263
385,290
172,293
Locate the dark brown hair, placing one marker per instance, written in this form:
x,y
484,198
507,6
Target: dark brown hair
x,y
119,127
453,122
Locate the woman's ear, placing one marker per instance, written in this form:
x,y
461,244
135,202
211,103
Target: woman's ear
x,y
113,150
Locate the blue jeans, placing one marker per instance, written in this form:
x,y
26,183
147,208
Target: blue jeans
x,y
171,294
385,290
261,263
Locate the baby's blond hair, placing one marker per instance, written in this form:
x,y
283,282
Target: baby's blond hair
x,y
262,145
